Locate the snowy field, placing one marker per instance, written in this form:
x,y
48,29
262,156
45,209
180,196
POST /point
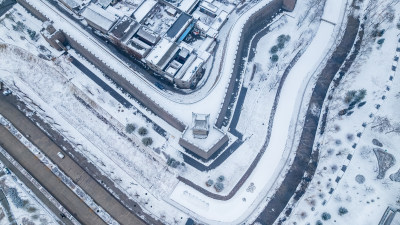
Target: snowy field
x,y
348,184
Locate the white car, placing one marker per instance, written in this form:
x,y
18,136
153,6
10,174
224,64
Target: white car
x,y
60,155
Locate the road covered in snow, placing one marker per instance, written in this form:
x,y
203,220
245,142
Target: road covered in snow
x,y
241,205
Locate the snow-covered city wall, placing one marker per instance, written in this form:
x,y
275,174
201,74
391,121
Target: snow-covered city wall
x,y
253,23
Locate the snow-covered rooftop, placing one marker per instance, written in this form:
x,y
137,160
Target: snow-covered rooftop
x,y
144,9
99,16
159,51
187,5
192,70
220,20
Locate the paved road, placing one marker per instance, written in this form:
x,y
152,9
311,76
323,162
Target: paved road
x,y
47,179
101,196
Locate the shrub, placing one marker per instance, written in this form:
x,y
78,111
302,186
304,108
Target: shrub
x,y
274,49
342,112
219,186
172,162
381,32
319,222
147,141
32,34
282,38
274,58
130,127
281,45
13,194
143,131
287,37
342,211
380,41
326,216
209,183
221,178
361,104
349,96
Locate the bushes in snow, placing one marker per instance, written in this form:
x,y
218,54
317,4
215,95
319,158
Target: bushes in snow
x,y
274,49
209,183
221,178
342,211
13,194
326,216
281,41
172,162
143,131
32,34
352,98
147,141
318,222
130,128
274,58
219,186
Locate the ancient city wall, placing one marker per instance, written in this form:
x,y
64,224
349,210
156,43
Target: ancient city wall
x,y
135,92
256,21
32,10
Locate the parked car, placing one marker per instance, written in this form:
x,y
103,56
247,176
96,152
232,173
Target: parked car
x,y
6,92
61,155
160,86
7,170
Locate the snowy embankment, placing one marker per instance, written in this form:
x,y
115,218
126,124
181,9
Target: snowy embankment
x,y
236,209
348,185
183,111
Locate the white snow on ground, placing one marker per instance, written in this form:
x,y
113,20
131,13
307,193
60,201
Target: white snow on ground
x,y
366,201
33,211
271,162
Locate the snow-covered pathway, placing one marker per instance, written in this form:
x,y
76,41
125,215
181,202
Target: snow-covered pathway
x,y
273,160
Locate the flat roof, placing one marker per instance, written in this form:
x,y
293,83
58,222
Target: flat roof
x,y
99,16
104,3
144,9
147,35
71,3
187,5
159,51
219,21
208,6
192,69
178,25
125,28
